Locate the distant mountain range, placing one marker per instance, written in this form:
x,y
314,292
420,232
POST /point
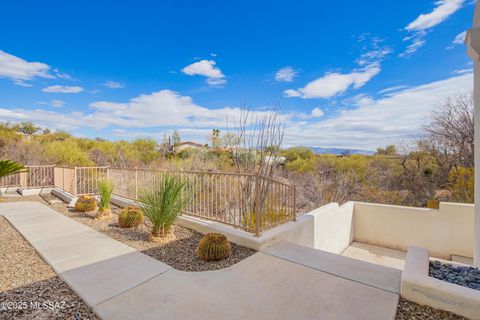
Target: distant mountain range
x,y
341,151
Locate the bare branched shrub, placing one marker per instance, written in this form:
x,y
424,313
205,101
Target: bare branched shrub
x,y
259,137
451,130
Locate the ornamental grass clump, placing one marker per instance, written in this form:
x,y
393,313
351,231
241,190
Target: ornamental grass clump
x,y
105,189
163,204
214,247
130,217
85,204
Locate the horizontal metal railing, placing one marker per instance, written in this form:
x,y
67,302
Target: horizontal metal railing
x,y
246,201
33,177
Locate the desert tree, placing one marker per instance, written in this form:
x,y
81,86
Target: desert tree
x,y
451,130
177,140
258,141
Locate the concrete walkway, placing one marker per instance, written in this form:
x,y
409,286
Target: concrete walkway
x,y
284,282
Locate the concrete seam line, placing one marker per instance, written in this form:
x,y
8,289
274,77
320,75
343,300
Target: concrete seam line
x,y
135,286
333,274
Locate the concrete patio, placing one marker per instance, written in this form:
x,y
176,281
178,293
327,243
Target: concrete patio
x,y
284,281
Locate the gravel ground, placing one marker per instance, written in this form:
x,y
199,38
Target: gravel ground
x,y
408,310
461,275
179,253
26,279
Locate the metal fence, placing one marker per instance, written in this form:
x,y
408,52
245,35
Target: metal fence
x,y
246,201
34,177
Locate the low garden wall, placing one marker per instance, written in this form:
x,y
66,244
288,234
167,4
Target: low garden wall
x,y
419,287
446,231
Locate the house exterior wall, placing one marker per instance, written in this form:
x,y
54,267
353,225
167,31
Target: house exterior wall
x,y
186,146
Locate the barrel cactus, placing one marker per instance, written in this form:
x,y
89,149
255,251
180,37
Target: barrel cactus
x,y
130,217
86,203
214,247
433,204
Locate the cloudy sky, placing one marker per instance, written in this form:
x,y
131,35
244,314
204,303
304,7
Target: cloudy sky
x,y
349,74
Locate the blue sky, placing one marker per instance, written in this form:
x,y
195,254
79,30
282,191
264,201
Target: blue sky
x,y
346,74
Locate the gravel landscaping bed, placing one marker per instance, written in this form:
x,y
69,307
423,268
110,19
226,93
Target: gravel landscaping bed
x,y
29,288
178,253
461,275
408,310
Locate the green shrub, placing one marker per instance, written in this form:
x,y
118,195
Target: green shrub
x,y
105,189
269,217
162,204
130,217
85,203
300,159
214,247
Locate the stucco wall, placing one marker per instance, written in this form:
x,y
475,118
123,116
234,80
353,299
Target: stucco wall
x,y
446,231
333,227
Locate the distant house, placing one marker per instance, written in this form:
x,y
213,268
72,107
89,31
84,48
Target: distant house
x,y
271,160
189,145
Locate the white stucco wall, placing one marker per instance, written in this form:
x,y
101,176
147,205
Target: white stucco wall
x,y
446,231
333,227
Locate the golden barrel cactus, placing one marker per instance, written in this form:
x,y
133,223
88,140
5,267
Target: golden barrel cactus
x,y
130,217
214,247
86,203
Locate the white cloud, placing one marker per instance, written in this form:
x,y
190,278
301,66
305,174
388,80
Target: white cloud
x,y
22,83
317,113
113,85
332,84
285,74
419,27
392,89
20,71
443,10
63,89
290,93
207,69
57,103
335,83
161,108
458,40
418,41
463,71
61,75
393,119
215,81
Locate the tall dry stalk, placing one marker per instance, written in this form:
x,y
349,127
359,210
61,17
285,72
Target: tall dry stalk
x,y
259,137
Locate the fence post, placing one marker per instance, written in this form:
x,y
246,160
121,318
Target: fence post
x,y
23,179
75,191
257,205
136,183
294,203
